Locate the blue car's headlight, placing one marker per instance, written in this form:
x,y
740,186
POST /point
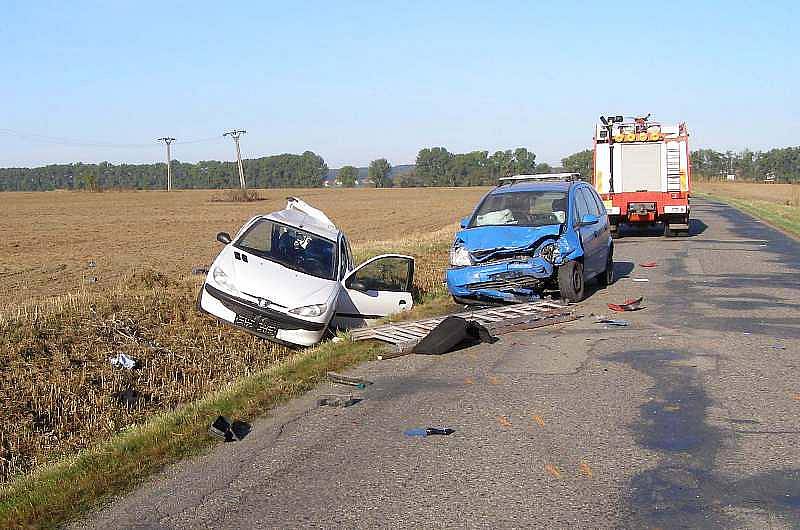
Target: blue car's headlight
x,y
459,256
550,252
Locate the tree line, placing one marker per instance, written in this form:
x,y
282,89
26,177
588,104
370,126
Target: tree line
x,y
287,170
435,166
781,163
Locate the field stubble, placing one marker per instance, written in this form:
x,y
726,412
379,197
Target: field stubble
x,y
59,392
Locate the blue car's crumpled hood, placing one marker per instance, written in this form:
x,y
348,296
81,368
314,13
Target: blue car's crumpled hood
x,y
485,241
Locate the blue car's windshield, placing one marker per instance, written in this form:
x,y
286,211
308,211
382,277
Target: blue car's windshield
x,y
522,208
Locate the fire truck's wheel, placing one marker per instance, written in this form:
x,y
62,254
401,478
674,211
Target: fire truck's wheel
x,y
606,277
570,281
615,232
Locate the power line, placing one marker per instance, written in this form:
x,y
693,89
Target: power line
x,y
74,142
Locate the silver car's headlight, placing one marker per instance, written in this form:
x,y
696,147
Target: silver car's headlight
x,y
314,310
459,257
223,280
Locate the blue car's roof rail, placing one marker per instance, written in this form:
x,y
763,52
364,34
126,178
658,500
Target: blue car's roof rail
x,y
540,177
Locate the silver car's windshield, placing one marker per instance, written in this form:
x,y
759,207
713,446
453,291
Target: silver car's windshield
x,y
291,247
522,208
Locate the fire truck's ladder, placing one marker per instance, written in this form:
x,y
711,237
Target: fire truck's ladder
x,y
673,166
404,335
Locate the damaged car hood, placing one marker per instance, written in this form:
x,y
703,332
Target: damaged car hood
x,y
263,278
486,241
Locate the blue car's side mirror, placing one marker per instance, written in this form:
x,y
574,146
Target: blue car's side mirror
x,y
465,222
589,219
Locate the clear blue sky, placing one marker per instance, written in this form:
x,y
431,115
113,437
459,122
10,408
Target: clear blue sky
x,y
354,81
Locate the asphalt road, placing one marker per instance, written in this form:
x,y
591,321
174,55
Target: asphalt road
x,y
685,419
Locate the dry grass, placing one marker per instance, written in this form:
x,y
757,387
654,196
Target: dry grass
x,y
49,238
778,204
58,390
237,195
785,194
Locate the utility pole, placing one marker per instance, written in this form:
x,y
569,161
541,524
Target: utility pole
x,y
168,141
235,134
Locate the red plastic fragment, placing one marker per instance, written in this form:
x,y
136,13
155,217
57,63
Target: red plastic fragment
x,y
633,304
648,264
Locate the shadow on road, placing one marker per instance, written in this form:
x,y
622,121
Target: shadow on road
x,y
683,490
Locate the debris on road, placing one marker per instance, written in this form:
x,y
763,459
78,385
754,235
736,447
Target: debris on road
x,y
453,333
91,280
613,322
92,264
538,419
199,270
430,431
632,304
123,361
337,400
504,421
648,264
497,320
223,429
340,379
641,280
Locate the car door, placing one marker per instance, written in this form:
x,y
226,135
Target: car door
x,y
376,288
593,258
604,238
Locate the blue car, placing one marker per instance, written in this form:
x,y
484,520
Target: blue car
x,y
531,233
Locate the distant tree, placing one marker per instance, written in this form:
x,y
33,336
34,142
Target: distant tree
x,y
348,176
544,167
379,173
580,162
409,179
432,166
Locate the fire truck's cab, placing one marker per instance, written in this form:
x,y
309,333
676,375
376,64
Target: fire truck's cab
x,y
642,171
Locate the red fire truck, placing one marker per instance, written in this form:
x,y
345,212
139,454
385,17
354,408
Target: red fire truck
x,y
642,171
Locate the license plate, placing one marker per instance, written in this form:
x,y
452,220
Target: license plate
x,y
257,324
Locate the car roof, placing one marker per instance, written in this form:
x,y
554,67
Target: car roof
x,y
301,215
534,186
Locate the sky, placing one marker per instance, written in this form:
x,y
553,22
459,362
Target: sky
x,y
354,81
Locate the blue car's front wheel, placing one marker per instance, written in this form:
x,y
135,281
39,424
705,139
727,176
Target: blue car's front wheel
x,y
570,281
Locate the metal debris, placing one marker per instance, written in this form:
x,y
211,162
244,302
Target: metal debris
x,y
123,361
337,400
430,431
613,322
340,379
498,320
223,429
632,304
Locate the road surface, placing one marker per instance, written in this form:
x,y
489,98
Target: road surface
x,y
685,419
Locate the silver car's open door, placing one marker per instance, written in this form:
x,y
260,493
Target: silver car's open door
x,y
378,287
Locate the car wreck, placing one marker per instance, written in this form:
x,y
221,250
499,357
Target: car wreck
x,y
531,233
289,277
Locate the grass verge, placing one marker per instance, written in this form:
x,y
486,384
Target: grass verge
x,y
781,216
68,488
